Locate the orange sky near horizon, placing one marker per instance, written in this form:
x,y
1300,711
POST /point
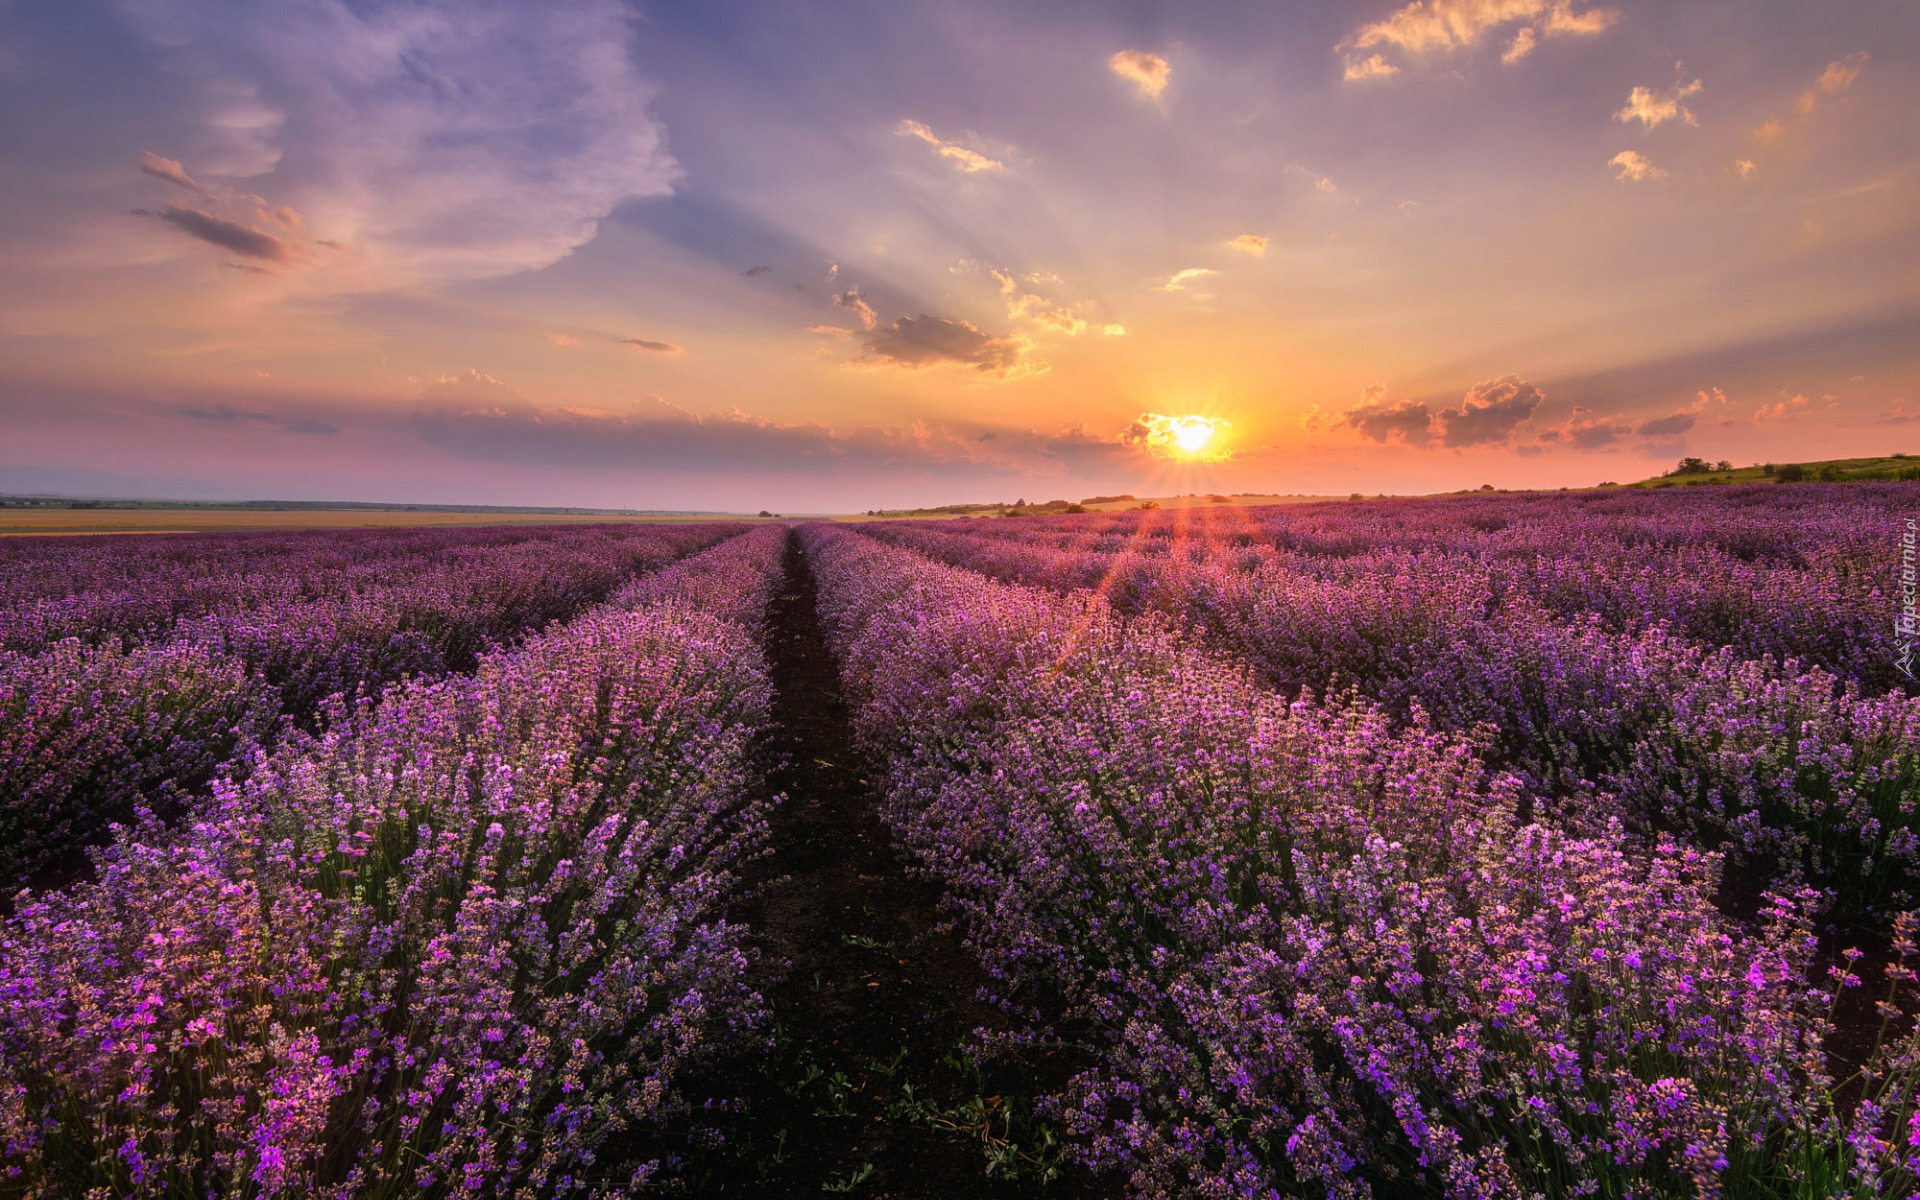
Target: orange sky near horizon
x,y
840,257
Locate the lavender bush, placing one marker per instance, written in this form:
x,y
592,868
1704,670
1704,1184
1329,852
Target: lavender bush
x,y
1324,952
460,943
1457,611
93,731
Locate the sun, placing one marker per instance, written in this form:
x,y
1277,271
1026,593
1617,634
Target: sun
x,y
1190,438
1190,435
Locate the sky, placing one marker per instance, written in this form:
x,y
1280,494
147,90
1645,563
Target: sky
x,y
832,257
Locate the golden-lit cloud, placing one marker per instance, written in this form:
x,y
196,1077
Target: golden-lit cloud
x,y
1022,305
1113,329
1652,108
1443,26
561,339
1745,167
965,160
1190,438
1249,243
1838,77
1180,279
1779,412
1060,321
862,311
1148,72
1374,66
1632,166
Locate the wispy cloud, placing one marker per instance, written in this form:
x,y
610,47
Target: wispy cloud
x,y
226,414
228,235
1672,425
853,303
1838,77
1180,279
1652,108
655,347
1780,411
169,170
1249,243
964,159
1147,72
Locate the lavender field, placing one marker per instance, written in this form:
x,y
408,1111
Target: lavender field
x,y
1548,845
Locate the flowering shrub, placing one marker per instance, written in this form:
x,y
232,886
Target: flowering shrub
x,y
89,732
461,943
1322,951
1608,687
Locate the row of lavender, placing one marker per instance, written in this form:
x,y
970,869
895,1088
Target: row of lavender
x,y
1792,572
1322,953
1799,774
145,709
461,943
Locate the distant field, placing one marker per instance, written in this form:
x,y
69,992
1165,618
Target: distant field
x,y
15,522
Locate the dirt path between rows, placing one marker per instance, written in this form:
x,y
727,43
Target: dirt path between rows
x,y
872,992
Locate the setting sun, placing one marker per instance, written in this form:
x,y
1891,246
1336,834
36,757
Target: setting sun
x,y
1191,434
1190,438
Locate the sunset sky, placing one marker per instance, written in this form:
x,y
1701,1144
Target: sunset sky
x,y
839,256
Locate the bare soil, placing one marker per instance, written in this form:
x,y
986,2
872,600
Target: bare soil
x,y
874,997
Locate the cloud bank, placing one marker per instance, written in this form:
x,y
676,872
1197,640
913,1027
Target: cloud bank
x,y
1488,415
441,140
